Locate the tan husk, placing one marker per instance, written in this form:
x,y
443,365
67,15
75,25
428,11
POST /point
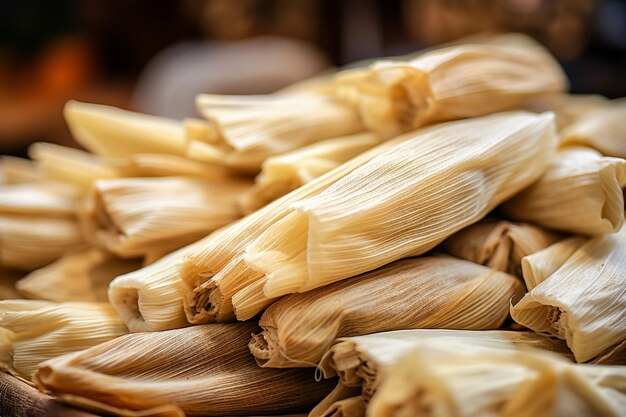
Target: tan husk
x,y
30,242
136,216
581,192
467,80
199,370
283,173
600,127
109,131
426,292
363,362
79,276
435,182
245,130
442,380
33,331
500,245
583,301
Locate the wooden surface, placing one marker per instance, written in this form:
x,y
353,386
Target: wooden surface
x,y
18,399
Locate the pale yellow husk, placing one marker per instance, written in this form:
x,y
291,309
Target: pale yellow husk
x,y
500,245
363,362
583,301
109,131
283,173
581,192
442,380
427,292
200,370
245,130
43,199
467,80
34,331
570,108
601,127
538,266
435,181
15,170
79,276
136,216
30,242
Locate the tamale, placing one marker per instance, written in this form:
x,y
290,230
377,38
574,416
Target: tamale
x,y
109,131
283,173
583,301
245,130
80,276
8,279
363,362
570,108
34,331
538,266
500,245
426,292
601,128
38,198
581,192
400,199
440,380
15,170
467,80
30,242
135,216
199,370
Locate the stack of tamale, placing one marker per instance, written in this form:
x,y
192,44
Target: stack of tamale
x,y
439,234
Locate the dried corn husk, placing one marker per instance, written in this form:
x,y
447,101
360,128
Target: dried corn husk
x,y
283,173
34,331
583,301
8,278
451,83
17,170
200,370
601,127
500,245
428,292
109,131
538,266
442,380
581,192
245,130
363,362
38,199
435,182
151,298
28,243
80,276
570,108
346,407
132,217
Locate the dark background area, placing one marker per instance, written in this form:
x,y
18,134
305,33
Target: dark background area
x,y
136,53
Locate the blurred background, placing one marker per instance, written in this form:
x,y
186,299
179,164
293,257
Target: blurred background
x,y
154,56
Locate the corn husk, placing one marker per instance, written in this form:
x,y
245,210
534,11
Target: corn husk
x,y
345,407
441,380
151,298
109,131
583,301
8,279
281,174
600,127
336,226
18,170
80,276
42,198
132,217
460,81
243,131
363,362
200,370
34,331
570,108
28,243
500,245
538,266
581,192
428,292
